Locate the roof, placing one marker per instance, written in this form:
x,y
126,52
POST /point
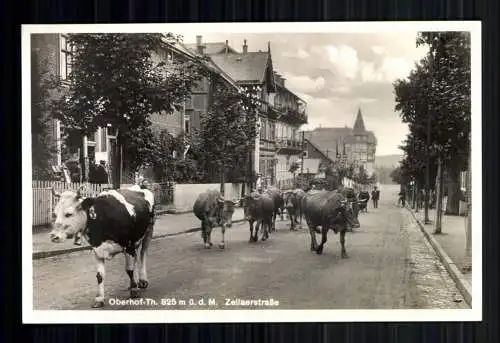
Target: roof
x,y
359,124
212,48
246,67
329,138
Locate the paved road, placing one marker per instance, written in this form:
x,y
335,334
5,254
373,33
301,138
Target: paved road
x,y
390,265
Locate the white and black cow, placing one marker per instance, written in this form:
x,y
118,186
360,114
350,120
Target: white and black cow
x,y
113,222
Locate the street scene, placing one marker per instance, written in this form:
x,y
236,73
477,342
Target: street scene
x,y
390,266
224,171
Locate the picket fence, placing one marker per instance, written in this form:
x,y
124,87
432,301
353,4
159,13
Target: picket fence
x,y
44,201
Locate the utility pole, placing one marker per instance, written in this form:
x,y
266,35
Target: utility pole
x,y
302,165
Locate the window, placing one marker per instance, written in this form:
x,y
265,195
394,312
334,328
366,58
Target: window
x,y
198,102
187,123
66,58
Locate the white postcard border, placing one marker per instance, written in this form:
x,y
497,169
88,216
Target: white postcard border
x,y
212,316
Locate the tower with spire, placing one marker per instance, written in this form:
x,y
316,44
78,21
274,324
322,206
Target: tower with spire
x,y
359,125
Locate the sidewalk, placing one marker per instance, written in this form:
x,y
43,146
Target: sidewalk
x,y
450,245
166,225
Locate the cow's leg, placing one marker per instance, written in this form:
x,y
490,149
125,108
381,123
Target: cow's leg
x,y
324,236
282,216
206,234
266,226
258,224
103,252
292,220
101,273
143,275
342,243
78,238
250,223
312,232
222,243
130,267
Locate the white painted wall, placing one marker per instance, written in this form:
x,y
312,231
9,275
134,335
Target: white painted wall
x,y
185,194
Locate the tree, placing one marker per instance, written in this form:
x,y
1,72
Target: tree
x,y
439,87
42,145
228,130
117,80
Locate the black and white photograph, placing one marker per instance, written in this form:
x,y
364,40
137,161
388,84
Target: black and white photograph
x,y
252,172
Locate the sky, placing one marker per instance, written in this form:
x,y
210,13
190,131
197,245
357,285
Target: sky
x,y
337,73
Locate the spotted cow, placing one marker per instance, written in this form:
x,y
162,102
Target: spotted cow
x,y
115,221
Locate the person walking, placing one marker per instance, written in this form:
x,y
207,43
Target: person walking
x,y
375,196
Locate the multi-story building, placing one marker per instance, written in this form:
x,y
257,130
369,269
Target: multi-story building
x,y
53,52
277,145
355,145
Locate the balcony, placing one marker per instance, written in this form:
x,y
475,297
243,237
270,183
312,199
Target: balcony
x,y
290,115
287,146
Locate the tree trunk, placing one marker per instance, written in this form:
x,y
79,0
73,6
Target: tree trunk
x,y
454,192
117,161
439,195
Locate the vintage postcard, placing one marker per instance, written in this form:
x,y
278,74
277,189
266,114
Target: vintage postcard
x,y
254,172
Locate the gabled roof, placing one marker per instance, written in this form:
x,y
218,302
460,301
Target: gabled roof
x,y
331,138
248,67
359,124
212,48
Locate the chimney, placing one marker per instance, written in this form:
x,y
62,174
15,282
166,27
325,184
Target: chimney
x,y
199,46
227,46
245,46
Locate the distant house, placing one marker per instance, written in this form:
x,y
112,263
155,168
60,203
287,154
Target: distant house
x,y
354,145
282,112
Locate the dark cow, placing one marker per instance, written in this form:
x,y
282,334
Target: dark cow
x,y
259,208
211,208
293,203
330,210
275,194
113,222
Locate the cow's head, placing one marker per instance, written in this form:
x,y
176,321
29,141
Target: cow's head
x,y
349,210
69,216
226,211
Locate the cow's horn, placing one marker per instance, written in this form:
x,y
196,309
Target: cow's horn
x,y
220,199
55,193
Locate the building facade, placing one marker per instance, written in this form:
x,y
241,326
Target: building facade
x,y
53,52
278,144
354,145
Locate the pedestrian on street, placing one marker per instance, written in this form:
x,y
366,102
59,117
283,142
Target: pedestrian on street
x,y
375,196
101,175
402,198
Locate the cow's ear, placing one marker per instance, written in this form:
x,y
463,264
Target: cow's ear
x,y
86,203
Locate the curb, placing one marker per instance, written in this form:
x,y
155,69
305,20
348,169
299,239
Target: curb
x,y
45,254
462,284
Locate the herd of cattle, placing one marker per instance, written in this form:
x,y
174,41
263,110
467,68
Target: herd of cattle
x,y
122,221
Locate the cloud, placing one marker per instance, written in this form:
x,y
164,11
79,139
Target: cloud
x,y
305,84
367,100
341,90
345,59
299,53
378,50
395,67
